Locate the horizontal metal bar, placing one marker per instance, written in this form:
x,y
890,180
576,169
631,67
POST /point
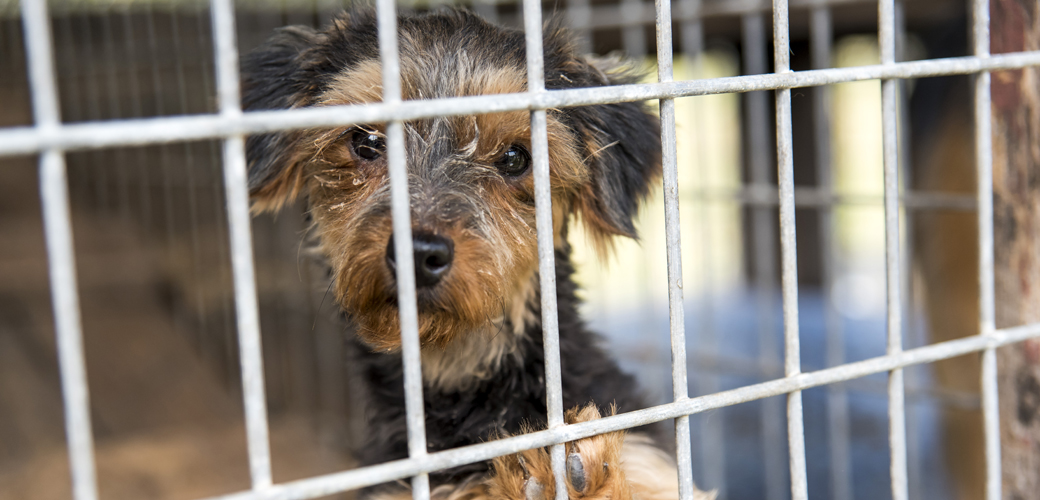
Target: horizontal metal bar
x,y
390,471
717,364
94,135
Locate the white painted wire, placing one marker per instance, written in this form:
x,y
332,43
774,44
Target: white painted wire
x,y
97,135
987,315
57,226
890,146
676,314
408,311
546,247
241,239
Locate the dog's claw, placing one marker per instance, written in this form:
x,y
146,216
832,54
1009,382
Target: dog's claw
x,y
576,472
523,466
533,490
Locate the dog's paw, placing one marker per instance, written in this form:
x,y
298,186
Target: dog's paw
x,y
593,468
594,463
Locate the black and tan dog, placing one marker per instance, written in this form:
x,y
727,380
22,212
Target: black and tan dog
x,y
472,207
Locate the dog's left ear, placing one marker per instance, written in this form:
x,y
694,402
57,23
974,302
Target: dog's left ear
x,y
280,74
622,151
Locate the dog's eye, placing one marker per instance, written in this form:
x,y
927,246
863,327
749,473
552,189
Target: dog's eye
x,y
367,145
514,162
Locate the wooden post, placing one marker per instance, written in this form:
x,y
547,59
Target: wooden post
x,y
1016,198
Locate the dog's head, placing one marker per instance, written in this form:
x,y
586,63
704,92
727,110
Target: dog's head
x,y
472,193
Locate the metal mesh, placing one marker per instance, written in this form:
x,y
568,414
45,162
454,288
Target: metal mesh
x,y
52,139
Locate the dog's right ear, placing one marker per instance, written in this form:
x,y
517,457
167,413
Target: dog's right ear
x,y
280,74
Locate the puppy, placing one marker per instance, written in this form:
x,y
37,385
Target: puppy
x,y
473,223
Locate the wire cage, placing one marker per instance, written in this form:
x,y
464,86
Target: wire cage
x,y
113,102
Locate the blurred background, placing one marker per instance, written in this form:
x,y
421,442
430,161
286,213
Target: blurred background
x,y
155,278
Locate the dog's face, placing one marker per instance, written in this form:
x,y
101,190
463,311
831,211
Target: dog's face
x,y
470,182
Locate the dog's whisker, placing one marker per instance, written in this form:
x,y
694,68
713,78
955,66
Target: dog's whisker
x,y
317,313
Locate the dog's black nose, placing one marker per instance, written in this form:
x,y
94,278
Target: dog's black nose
x,y
432,254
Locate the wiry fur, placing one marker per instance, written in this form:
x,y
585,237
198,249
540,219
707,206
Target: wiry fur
x,y
483,359
600,456
613,466
505,401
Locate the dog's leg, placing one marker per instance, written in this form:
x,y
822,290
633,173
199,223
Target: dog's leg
x,y
615,466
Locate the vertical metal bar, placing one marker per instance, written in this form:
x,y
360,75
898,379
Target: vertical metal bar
x,y
546,248
890,141
987,315
57,222
225,46
712,430
788,251
822,36
64,294
40,55
984,143
764,231
673,242
235,184
905,146
633,38
579,13
910,334
401,211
